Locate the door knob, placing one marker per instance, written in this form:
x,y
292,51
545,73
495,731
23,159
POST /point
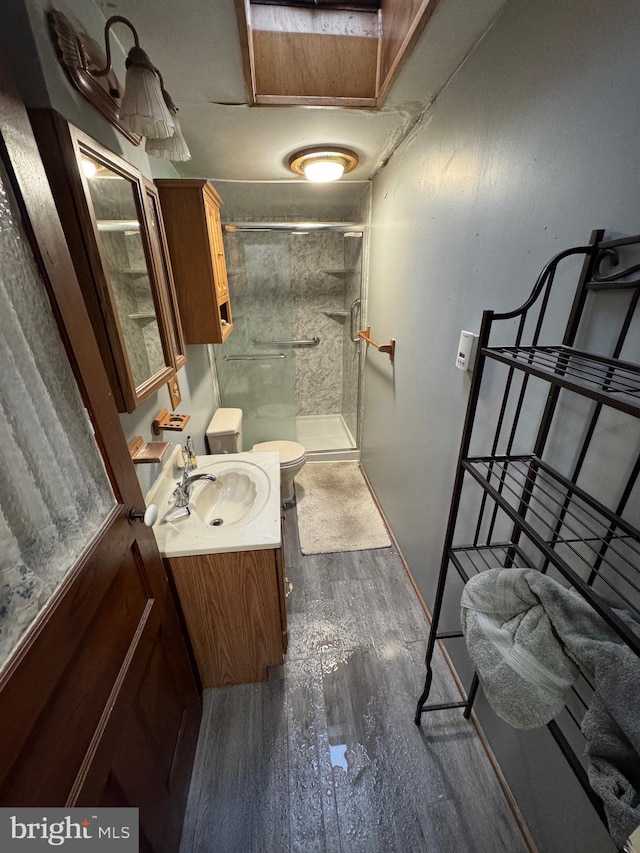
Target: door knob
x,y
148,517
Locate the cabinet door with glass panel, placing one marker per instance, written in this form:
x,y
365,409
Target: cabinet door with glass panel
x,y
117,243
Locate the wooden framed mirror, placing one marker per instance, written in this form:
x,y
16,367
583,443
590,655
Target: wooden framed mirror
x,y
164,272
117,243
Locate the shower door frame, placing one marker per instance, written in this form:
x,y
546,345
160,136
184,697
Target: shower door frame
x,y
343,227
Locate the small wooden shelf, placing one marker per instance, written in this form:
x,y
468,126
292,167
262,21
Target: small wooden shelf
x,y
142,451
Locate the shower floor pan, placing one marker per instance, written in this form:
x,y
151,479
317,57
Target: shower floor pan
x,y
326,437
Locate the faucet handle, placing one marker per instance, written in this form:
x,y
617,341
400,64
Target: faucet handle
x,y
181,491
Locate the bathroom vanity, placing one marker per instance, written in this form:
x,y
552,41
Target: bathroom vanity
x,y
225,559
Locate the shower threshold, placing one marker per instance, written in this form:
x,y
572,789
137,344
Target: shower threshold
x,y
326,438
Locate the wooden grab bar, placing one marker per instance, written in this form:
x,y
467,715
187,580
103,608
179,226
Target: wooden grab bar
x,y
389,348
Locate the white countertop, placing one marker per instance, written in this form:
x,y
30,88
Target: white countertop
x,y
245,497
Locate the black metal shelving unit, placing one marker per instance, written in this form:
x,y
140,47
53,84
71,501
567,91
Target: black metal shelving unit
x,y
525,510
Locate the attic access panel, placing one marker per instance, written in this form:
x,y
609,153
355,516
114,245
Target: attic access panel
x,y
329,53
355,6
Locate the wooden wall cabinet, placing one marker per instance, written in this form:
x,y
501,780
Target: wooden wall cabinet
x,y
191,213
234,608
113,225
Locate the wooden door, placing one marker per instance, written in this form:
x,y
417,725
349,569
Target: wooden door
x,y
98,704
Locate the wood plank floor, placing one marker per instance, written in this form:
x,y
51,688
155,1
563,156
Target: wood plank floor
x,y
325,757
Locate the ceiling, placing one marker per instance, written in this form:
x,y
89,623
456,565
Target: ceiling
x,y
196,45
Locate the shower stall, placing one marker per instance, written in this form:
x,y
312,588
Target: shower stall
x,y
293,362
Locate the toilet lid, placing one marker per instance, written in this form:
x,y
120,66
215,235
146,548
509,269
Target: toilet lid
x,y
290,451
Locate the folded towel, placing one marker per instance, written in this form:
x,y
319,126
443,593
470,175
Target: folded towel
x,y
529,637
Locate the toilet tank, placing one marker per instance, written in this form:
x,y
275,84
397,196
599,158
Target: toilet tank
x,y
224,433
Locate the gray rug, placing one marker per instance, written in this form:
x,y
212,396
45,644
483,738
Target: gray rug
x,y
336,511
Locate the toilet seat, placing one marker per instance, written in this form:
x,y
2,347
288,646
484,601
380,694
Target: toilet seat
x,y
290,452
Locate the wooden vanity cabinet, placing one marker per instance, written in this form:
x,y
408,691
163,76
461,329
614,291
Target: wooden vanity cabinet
x,y
234,608
191,213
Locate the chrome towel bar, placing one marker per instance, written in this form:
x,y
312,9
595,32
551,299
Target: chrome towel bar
x,y
254,357
313,342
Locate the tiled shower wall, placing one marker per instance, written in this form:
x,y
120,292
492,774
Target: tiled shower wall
x,y
326,276
283,287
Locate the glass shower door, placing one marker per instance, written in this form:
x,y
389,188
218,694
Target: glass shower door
x,y
254,375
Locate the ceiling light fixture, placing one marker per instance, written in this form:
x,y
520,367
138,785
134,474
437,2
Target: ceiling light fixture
x,y
322,164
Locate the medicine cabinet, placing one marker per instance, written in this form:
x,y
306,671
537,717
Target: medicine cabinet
x,y
112,222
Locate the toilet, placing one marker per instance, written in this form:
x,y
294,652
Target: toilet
x,y
224,435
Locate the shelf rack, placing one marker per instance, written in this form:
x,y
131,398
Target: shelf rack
x,y
530,509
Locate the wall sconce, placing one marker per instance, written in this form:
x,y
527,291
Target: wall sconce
x,y
144,109
322,164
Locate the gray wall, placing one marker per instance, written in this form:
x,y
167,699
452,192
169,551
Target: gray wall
x,y
529,147
44,84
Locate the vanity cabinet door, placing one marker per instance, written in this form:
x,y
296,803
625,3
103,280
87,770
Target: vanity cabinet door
x,y
116,247
191,214
232,608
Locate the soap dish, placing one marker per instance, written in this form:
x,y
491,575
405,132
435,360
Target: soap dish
x,y
147,451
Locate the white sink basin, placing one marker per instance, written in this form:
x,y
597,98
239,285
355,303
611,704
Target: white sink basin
x,y
238,495
238,511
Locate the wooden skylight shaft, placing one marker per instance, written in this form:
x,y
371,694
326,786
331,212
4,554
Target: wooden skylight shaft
x,y
327,53
353,6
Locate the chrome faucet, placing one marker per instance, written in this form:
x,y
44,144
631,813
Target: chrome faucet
x,y
182,491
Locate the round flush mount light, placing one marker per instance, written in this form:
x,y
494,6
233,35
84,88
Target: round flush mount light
x,y
323,164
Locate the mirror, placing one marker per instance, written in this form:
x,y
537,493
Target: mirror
x,y
165,274
120,239
116,237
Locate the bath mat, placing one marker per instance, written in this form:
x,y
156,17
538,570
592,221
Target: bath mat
x,y
336,511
